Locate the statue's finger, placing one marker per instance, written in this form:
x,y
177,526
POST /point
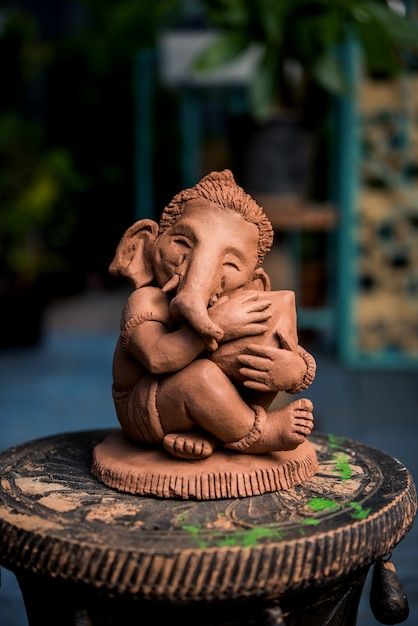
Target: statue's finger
x,y
297,425
301,430
250,298
259,316
256,362
303,413
211,344
253,374
256,386
261,306
308,423
266,351
254,329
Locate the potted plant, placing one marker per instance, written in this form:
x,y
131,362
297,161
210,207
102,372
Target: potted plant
x,y
298,65
306,33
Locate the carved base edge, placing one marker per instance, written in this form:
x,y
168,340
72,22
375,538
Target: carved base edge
x,y
154,479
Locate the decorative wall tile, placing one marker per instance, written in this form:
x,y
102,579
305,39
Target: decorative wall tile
x,y
386,311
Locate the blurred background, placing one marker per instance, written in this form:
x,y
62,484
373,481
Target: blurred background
x,y
108,108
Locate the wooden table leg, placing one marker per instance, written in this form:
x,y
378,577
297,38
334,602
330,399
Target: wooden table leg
x,y
335,604
50,604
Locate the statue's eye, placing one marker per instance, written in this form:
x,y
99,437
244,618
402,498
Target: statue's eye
x,y
182,241
232,264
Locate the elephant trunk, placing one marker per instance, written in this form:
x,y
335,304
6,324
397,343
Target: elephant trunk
x,y
192,300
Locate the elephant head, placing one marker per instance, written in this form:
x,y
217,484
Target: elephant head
x,y
200,252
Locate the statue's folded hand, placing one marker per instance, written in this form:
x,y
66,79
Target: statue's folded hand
x,y
241,315
267,368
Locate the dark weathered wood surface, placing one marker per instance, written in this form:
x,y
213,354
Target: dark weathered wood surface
x,y
57,521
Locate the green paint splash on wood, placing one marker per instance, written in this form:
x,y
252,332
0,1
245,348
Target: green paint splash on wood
x,y
248,538
342,465
322,504
181,517
195,532
253,536
335,442
359,512
310,521
243,538
325,504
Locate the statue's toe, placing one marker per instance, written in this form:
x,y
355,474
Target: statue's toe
x,y
190,446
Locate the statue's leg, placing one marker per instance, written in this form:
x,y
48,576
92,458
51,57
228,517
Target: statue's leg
x,y
284,429
202,395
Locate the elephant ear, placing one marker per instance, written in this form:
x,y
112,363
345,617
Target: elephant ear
x,y
260,280
133,254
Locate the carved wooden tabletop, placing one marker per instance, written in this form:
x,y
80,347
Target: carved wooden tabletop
x,y
57,519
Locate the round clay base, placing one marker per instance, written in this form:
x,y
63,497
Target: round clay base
x,y
124,466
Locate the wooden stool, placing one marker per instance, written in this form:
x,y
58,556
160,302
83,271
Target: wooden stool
x,y
87,555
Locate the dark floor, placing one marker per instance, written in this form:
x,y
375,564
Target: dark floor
x,y
65,385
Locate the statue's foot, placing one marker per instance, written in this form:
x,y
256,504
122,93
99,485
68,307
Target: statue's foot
x,y
190,446
277,431
294,423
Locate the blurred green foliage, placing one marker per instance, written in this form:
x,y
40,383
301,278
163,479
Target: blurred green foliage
x,y
115,30
66,131
35,180
36,215
309,32
67,106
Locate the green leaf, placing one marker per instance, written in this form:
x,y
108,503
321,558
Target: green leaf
x,y
271,16
229,13
400,31
263,88
379,55
312,35
328,73
225,48
39,197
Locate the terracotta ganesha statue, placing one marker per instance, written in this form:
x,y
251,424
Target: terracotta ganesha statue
x,y
205,345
